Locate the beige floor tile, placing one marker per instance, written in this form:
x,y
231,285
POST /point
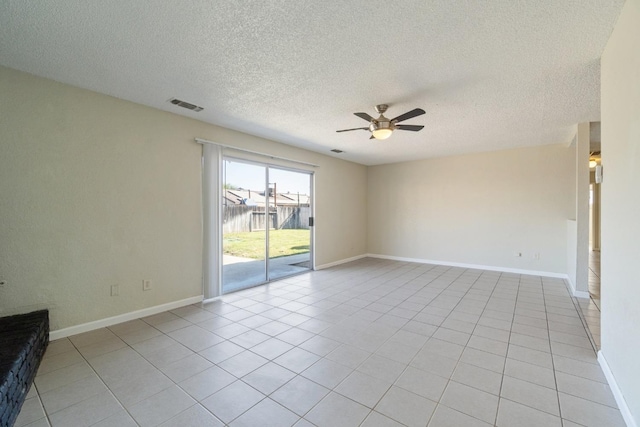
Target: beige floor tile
x,y
538,331
512,414
397,351
411,338
185,368
195,416
160,407
482,379
443,348
232,401
268,378
447,417
452,336
586,370
422,383
31,411
528,341
120,419
299,395
195,338
267,413
58,346
62,377
86,412
249,339
376,419
434,363
221,352
139,335
211,325
348,355
586,389
382,368
242,363
571,339
207,382
486,344
532,373
326,373
484,360
163,357
337,411
320,346
406,407
73,393
416,318
296,359
153,345
364,389
470,401
589,413
491,333
92,337
58,361
529,394
102,347
534,357
573,352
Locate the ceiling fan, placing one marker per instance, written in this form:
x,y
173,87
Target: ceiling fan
x,y
382,127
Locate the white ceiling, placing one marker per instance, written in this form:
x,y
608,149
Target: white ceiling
x,y
489,74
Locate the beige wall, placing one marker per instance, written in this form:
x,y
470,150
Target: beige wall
x,y
476,209
96,191
621,204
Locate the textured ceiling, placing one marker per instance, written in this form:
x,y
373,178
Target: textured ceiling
x,y
489,74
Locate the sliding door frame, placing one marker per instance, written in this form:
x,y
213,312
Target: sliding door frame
x,y
311,176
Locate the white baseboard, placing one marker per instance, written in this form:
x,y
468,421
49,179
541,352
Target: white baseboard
x,y
474,266
576,293
617,394
342,261
581,294
125,317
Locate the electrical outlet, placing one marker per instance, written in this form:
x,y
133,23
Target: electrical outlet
x,y
115,290
518,254
146,285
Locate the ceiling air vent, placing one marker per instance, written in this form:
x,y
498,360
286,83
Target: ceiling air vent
x,y
186,105
335,150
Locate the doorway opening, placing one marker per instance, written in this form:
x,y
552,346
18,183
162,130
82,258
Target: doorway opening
x,y
591,307
267,223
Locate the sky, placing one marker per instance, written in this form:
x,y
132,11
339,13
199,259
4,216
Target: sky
x,y
249,176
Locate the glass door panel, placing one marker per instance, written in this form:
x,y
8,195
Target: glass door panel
x,y
289,233
244,229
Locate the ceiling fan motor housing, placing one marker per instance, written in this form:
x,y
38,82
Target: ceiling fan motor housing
x,y
381,124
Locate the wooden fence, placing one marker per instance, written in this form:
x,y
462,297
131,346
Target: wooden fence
x,y
240,218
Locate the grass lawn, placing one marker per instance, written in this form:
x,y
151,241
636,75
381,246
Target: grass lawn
x,y
281,243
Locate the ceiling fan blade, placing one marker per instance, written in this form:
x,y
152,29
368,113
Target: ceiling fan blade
x,y
413,128
364,116
347,130
409,115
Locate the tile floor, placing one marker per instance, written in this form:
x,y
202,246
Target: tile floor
x,y
369,343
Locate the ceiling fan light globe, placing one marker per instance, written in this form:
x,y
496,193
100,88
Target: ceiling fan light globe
x,y
382,133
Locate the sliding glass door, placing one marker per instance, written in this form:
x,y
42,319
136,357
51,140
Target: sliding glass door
x,y
266,214
289,231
